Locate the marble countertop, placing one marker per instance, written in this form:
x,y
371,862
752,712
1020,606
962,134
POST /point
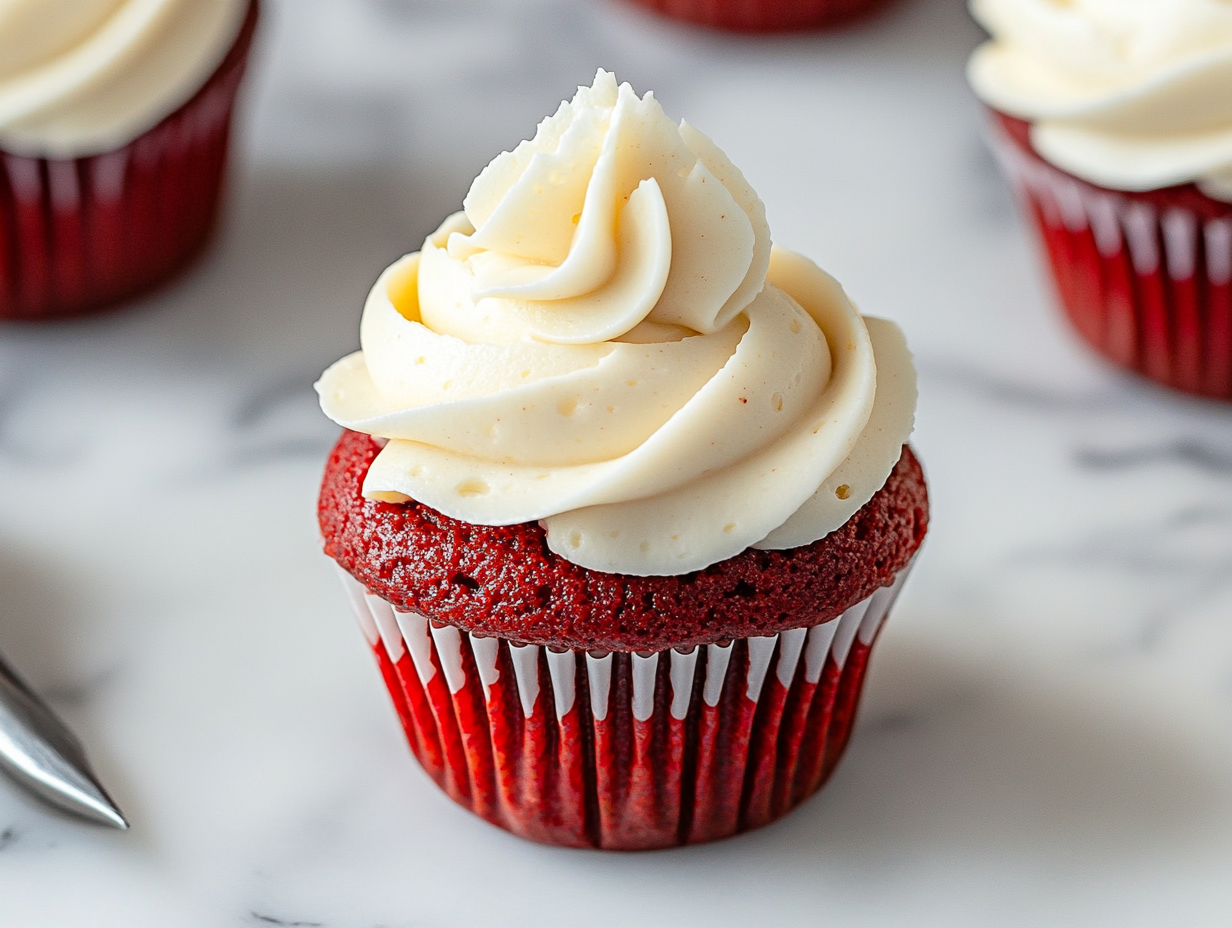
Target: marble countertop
x,y
1046,735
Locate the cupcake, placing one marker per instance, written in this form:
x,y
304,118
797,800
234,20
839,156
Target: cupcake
x,y
1112,121
763,15
623,495
114,122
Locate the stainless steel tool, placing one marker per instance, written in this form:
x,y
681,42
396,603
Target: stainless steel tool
x,y
41,754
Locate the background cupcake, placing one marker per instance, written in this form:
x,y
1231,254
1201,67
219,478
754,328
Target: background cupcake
x,y
114,123
1113,121
764,15
633,499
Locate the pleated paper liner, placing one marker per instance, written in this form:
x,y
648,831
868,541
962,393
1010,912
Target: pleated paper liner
x,y
763,15
1145,278
625,751
77,235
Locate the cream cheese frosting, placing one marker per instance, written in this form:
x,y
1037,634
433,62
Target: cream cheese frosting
x,y
605,341
1127,94
81,77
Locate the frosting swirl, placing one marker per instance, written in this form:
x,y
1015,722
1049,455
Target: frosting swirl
x,y
1127,94
604,341
80,77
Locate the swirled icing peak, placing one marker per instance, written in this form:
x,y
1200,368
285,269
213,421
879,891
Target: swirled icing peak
x,y
567,238
79,77
1128,94
604,341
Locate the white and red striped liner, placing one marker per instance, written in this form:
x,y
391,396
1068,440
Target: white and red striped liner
x,y
78,234
625,751
1148,287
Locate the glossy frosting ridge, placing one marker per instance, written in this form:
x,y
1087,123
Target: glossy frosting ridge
x,y
1127,94
81,77
604,341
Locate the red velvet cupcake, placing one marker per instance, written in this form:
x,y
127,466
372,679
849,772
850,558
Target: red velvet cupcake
x,y
764,15
631,506
1121,153
114,128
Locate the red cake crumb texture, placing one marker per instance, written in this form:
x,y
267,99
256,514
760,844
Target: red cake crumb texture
x,y
503,581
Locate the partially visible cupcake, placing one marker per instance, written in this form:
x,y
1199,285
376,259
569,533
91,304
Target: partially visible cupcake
x,y
624,497
764,15
1114,122
114,123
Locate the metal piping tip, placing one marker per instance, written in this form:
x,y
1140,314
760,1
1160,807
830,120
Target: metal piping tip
x,y
40,753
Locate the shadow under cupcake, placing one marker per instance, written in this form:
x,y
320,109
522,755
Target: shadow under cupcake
x,y
624,497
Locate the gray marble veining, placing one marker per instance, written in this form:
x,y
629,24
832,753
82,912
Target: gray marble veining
x,y
1044,739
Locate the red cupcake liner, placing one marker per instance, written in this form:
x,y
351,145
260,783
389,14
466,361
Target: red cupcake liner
x,y
625,751
79,234
1145,278
763,15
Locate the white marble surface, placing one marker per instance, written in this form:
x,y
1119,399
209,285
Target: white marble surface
x,y
1046,738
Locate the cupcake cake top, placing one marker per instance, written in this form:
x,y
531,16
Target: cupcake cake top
x,y
605,341
80,77
1127,94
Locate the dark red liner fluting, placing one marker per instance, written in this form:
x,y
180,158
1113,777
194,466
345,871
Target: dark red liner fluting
x,y
1145,278
625,751
78,235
